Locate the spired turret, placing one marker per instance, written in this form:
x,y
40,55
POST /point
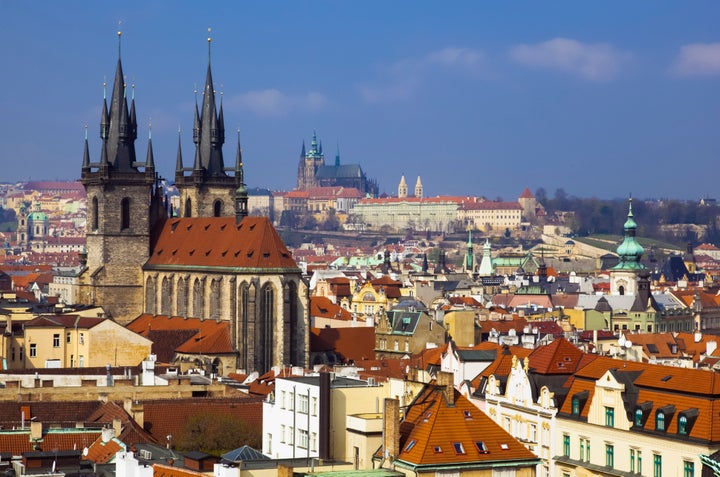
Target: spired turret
x,y
207,189
119,189
623,276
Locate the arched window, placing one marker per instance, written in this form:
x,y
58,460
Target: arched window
x,y
95,218
125,213
660,421
215,299
217,208
682,424
166,297
198,299
296,336
150,296
188,208
621,290
244,332
182,297
264,342
638,417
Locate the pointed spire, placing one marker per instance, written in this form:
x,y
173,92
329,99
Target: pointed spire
x,y
133,118
241,196
179,162
302,151
86,153
150,160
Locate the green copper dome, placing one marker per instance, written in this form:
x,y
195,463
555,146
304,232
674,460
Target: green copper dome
x,y
630,251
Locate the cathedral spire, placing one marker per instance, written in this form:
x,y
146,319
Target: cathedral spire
x,y
179,162
150,160
630,251
86,153
241,196
211,127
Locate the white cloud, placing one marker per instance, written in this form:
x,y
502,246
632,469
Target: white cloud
x,y
698,59
404,77
272,102
596,62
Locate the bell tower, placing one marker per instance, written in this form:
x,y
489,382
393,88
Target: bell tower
x,y
124,205
206,188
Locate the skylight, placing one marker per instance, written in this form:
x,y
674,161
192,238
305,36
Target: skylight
x,y
410,445
459,449
481,447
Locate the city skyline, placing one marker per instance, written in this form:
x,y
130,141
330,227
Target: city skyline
x,y
597,99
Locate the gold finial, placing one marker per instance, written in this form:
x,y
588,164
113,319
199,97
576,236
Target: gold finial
x,y
104,87
119,34
150,127
209,42
86,130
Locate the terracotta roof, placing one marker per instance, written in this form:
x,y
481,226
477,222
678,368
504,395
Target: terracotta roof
x,y
423,200
168,416
436,433
526,194
200,336
352,343
558,357
64,321
162,470
254,244
131,432
102,452
321,306
59,413
490,205
503,326
18,442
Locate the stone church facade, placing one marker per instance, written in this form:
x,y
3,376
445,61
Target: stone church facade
x,y
212,262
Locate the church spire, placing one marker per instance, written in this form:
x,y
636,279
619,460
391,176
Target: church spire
x,y
630,251
211,127
150,160
86,154
179,162
241,196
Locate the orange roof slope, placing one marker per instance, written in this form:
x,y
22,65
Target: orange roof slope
x,y
446,434
254,244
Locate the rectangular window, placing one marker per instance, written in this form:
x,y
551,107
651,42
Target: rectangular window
x,y
303,438
282,399
459,449
566,445
56,340
639,462
609,455
632,460
68,338
688,469
657,465
291,401
33,350
302,403
290,436
282,432
313,441
82,338
609,416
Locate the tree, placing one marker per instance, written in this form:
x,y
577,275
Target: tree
x,y
217,433
331,223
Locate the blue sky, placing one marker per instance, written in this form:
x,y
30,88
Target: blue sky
x,y
601,99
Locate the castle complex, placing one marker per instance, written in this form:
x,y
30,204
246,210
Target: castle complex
x,y
211,262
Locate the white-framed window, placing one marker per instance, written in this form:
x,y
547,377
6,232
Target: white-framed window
x,y
303,438
56,340
302,403
33,350
283,396
282,433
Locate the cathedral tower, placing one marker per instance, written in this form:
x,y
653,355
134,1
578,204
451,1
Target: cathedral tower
x,y
206,188
402,188
124,205
623,276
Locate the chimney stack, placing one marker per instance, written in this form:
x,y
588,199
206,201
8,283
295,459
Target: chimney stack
x,y
391,428
445,380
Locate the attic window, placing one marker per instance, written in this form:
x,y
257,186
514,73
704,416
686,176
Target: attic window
x,y
174,226
208,252
224,252
437,449
568,359
252,227
666,378
285,255
236,253
174,251
191,252
250,253
189,227
159,252
467,414
410,445
222,227
459,449
561,364
481,447
266,254
504,446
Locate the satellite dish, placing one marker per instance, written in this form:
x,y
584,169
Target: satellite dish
x,y
628,344
85,451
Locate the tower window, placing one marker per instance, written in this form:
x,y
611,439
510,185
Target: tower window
x,y
217,208
125,214
95,213
188,208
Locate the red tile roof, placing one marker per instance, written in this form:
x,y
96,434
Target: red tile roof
x,y
253,244
321,306
447,435
353,343
210,336
101,452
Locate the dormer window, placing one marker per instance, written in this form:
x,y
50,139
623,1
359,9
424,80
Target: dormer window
x,y
575,405
638,417
660,421
682,425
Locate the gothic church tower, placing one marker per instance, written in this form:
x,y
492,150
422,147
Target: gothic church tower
x,y
206,188
124,205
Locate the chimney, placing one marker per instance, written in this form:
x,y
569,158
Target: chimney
x,y
117,426
391,428
445,380
284,470
35,430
